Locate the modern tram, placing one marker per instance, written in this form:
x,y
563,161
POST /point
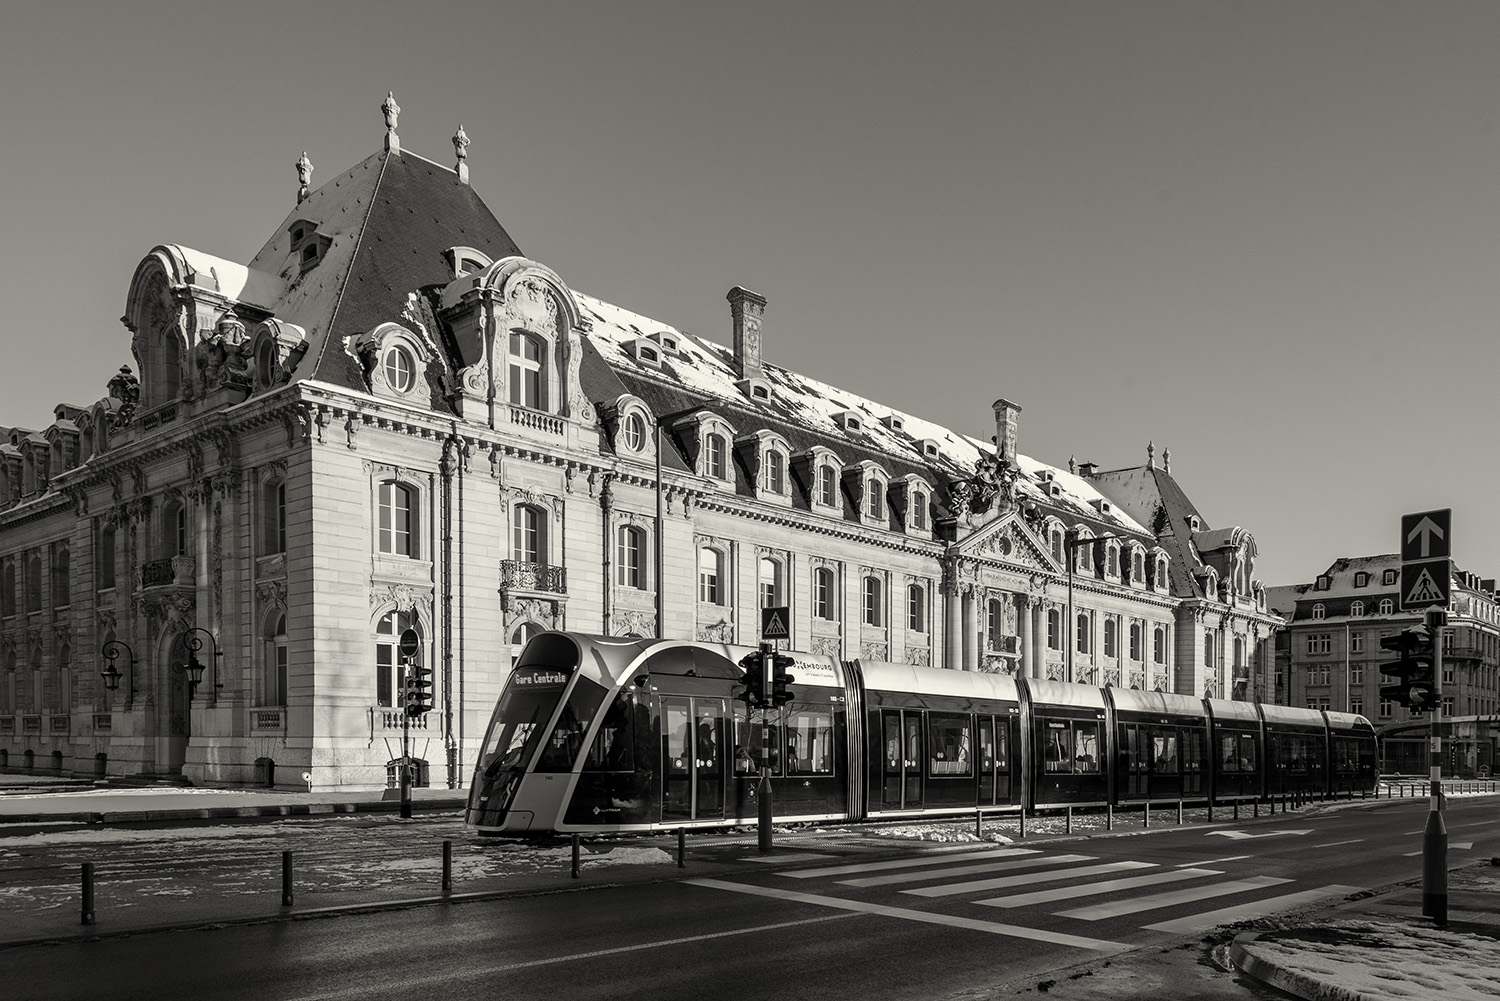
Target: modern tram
x,y
603,734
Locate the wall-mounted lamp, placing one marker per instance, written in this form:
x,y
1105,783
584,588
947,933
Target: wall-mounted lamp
x,y
194,667
111,651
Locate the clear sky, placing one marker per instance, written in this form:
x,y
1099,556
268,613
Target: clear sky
x,y
1263,235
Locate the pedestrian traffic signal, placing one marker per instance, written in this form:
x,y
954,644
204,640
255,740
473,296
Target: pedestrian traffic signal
x,y
1417,688
752,681
418,690
781,678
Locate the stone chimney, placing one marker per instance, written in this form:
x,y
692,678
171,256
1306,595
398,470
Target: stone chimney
x,y
1006,414
746,308
1087,469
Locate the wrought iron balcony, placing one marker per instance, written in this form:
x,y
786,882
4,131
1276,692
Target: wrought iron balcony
x,y
162,573
520,575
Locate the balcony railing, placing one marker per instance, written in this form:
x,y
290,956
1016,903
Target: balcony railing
x,y
162,573
264,718
523,576
522,417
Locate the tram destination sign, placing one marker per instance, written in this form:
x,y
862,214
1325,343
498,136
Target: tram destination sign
x,y
1426,574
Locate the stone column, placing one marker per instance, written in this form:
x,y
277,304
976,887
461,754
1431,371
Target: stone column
x,y
970,631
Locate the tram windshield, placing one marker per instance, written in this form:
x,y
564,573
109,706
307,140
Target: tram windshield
x,y
531,695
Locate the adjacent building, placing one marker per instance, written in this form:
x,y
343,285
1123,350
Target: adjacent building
x,y
1329,656
390,418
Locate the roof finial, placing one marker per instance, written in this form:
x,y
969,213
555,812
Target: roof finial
x,y
1072,465
391,110
1166,459
304,175
1150,455
461,150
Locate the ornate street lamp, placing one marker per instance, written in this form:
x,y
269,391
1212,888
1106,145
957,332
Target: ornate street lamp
x,y
111,651
194,667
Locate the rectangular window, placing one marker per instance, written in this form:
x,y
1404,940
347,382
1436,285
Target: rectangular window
x,y
385,674
280,515
1319,643
395,520
1357,704
949,745
1356,675
809,743
1071,747
1356,642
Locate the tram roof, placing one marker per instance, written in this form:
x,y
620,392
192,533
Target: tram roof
x,y
1290,714
938,681
1135,700
1064,693
1225,709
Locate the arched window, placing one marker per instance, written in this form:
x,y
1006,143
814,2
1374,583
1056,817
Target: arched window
x,y
1138,566
174,530
529,544
1083,632
107,558
875,499
398,519
775,471
1083,558
630,557
874,602
916,608
8,587
520,637
387,656
824,605
1135,641
710,576
770,582
1239,655
918,510
1057,544
273,684
1318,610
1161,573
1054,629
715,457
994,624
1110,638
64,678
826,487
1114,560
1387,606
1159,645
273,517
528,371
61,585
1357,608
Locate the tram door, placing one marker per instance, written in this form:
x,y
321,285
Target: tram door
x,y
692,736
901,759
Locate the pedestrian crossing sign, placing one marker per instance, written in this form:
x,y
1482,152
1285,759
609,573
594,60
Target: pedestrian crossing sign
x,y
1425,584
774,623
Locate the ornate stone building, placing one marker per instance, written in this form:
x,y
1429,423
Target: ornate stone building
x,y
390,418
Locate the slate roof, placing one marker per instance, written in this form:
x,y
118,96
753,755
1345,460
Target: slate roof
x,y
388,219
1153,498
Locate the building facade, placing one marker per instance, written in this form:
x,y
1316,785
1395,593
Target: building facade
x,y
391,419
1329,657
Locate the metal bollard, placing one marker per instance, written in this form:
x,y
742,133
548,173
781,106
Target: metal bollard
x,y
1179,813
1210,811
286,879
1023,822
1255,806
575,856
1109,816
447,866
979,822
88,894
1148,813
1236,809
1068,821
682,847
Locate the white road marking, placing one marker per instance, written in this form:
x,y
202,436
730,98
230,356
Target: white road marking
x,y
1229,915
1091,889
1335,844
787,857
962,870
1051,875
446,974
908,914
1241,835
907,863
1214,861
1460,845
1171,898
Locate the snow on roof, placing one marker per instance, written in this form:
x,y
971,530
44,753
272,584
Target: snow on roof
x,y
233,280
706,368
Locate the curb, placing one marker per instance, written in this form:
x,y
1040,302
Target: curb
x,y
1296,984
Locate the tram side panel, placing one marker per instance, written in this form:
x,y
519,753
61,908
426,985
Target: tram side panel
x,y
1068,741
1352,753
1296,750
1158,741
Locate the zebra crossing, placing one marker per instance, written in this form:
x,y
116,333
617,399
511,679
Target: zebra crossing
x,y
1059,883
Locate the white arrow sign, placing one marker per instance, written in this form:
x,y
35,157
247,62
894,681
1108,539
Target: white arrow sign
x,y
1241,835
1425,530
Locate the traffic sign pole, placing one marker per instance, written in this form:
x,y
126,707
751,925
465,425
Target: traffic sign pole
x,y
1435,835
409,646
767,656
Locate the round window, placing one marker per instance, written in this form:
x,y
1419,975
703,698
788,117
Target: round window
x,y
635,432
399,370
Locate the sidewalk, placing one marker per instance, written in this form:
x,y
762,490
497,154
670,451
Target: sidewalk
x,y
1376,947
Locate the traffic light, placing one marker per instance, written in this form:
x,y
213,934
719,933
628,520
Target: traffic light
x,y
752,682
1417,688
418,690
781,678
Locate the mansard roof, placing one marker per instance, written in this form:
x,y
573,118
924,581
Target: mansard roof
x,y
1153,497
386,223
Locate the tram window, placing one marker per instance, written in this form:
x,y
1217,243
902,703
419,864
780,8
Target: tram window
x,y
1229,758
950,745
550,650
809,736
565,742
747,739
614,746
1296,750
994,745
1086,746
1058,749
1164,751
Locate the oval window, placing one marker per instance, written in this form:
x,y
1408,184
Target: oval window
x,y
399,370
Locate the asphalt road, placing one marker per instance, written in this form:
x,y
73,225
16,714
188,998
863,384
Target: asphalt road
x,y
1082,916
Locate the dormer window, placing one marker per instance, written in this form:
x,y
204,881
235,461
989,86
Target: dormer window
x,y
1323,583
893,423
775,471
1101,505
827,489
635,432
646,352
1387,578
394,361
919,510
1361,579
875,499
930,448
715,456
1194,523
667,341
466,260
400,372
1318,611
309,254
848,420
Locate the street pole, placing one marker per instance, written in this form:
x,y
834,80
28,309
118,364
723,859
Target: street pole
x,y
767,659
1435,835
1069,632
405,740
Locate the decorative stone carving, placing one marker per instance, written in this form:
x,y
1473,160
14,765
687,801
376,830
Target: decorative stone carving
x,y
633,622
874,651
126,388
826,646
161,611
544,613
919,656
405,597
716,632
304,176
271,593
